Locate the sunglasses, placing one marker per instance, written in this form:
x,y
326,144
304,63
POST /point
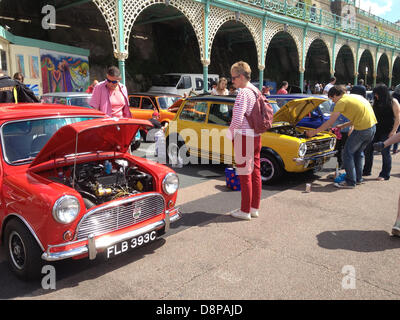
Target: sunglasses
x,y
112,81
235,77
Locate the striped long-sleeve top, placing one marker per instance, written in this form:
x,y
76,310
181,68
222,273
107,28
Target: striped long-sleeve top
x,y
244,103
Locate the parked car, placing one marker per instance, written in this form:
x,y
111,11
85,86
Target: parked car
x,y
285,146
80,99
316,117
70,189
143,105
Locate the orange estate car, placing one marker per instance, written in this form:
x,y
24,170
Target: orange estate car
x,y
142,105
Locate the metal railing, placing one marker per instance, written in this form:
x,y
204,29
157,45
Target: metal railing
x,y
323,18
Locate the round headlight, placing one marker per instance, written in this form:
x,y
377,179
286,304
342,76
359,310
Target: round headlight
x,y
170,183
66,209
302,149
332,143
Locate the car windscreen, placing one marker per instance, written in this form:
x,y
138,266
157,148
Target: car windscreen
x,y
326,107
165,80
166,102
81,102
274,106
23,140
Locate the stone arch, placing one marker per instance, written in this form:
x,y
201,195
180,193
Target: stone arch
x,y
396,70
317,64
350,46
365,55
219,16
342,49
192,10
395,59
361,52
282,59
311,37
381,75
273,28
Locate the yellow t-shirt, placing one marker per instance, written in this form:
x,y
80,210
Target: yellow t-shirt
x,y
357,109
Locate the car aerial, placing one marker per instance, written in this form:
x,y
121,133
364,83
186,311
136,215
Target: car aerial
x,y
70,189
199,130
316,117
80,99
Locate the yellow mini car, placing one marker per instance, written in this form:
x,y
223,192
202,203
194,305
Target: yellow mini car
x,y
200,125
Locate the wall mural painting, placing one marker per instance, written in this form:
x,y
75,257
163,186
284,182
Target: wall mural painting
x,y
34,67
64,73
20,63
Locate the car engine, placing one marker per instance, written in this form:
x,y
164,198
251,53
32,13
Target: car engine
x,y
289,131
99,182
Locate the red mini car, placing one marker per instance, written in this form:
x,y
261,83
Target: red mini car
x,y
70,189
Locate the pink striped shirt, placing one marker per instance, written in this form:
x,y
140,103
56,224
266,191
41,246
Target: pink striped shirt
x,y
244,103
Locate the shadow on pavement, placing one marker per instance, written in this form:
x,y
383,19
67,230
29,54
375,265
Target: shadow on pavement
x,y
358,240
70,273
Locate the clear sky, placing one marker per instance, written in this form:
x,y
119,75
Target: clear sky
x,y
386,9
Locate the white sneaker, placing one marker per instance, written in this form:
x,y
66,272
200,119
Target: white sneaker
x,y
254,213
241,215
396,229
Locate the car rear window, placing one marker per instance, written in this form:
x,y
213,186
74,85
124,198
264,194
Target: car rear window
x,y
166,102
194,111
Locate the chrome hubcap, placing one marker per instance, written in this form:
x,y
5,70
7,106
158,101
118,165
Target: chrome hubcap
x,y
267,169
17,250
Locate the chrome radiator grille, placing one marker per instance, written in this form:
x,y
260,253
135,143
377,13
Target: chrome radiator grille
x,y
120,214
317,146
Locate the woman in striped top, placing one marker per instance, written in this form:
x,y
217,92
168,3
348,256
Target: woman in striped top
x,y
247,144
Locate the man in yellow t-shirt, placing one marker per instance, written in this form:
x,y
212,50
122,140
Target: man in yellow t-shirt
x,y
361,115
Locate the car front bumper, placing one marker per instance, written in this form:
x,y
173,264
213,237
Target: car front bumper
x,y
100,243
318,159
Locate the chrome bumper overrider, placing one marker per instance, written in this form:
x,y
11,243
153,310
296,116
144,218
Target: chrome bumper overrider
x,y
105,241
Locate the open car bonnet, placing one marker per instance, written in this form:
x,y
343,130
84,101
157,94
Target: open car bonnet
x,y
297,109
105,135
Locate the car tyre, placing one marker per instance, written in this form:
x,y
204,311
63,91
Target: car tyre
x,y
22,251
270,169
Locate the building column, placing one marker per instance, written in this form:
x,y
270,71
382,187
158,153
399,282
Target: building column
x,y
261,76
303,60
206,61
374,75
261,66
121,55
301,70
390,81
333,64
356,78
205,64
357,63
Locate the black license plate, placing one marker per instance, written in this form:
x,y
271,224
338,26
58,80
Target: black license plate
x,y
132,243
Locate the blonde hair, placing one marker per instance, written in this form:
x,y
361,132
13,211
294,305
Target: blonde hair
x,y
243,68
220,81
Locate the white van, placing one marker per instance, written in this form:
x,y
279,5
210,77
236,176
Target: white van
x,y
180,83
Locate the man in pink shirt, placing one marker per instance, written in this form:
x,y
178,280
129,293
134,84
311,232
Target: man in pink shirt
x,y
283,89
111,96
